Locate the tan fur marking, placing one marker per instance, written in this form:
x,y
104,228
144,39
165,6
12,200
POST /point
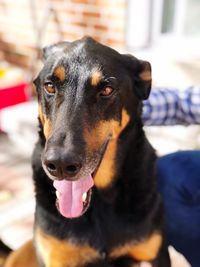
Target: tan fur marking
x,y
58,253
146,250
47,127
59,72
40,113
23,257
145,75
96,137
96,77
117,128
107,168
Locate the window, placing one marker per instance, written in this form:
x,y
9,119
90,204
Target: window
x,y
181,17
163,21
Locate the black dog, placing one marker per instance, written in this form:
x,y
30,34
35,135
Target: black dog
x,y
96,197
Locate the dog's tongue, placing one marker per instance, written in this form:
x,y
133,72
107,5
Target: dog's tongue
x,y
71,193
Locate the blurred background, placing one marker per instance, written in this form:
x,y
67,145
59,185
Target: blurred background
x,y
164,32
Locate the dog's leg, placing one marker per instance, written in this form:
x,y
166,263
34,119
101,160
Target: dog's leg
x,y
23,257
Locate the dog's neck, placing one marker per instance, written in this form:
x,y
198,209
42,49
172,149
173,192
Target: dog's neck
x,y
136,159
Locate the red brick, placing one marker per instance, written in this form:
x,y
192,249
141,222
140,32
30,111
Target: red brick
x,y
79,1
80,24
106,23
114,43
91,14
99,2
101,27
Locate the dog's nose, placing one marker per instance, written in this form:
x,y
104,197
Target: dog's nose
x,y
62,164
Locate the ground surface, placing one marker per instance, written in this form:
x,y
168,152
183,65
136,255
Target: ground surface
x,y
16,194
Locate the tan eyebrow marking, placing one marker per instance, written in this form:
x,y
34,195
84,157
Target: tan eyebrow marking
x,y
96,77
59,72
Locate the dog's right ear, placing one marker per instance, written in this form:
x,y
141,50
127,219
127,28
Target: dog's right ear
x,y
54,49
140,71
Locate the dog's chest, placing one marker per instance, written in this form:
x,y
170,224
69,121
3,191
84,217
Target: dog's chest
x,y
69,253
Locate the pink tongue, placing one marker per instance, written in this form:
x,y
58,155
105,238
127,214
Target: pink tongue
x,y
70,201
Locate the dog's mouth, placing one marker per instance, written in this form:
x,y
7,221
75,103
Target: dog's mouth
x,y
73,197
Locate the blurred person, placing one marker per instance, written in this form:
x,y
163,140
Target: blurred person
x,y
178,173
171,106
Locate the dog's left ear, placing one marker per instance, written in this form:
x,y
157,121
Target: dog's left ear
x,y
140,72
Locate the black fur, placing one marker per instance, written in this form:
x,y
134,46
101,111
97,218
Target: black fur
x,y
130,209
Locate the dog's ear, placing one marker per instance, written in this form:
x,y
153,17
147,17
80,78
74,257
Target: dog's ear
x,y
54,49
140,72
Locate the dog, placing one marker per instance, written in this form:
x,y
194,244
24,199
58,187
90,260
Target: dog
x,y
97,202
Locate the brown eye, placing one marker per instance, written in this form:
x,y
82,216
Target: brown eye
x,y
49,88
107,91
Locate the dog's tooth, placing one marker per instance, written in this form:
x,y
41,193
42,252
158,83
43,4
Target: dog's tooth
x,y
84,197
58,194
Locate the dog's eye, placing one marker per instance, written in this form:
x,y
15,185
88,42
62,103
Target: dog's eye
x,y
107,91
49,88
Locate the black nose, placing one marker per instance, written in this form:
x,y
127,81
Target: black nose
x,y
62,164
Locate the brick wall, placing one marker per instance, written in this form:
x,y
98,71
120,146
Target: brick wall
x,y
70,19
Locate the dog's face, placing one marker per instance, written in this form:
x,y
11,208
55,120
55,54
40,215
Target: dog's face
x,y
88,94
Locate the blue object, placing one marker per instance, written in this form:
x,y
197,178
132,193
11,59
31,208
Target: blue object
x,y
170,106
179,184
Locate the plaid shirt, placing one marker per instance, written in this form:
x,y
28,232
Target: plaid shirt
x,y
172,106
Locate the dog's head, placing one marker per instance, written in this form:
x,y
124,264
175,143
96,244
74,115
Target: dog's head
x,y
88,94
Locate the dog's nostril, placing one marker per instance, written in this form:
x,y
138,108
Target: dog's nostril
x,y
51,167
72,168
